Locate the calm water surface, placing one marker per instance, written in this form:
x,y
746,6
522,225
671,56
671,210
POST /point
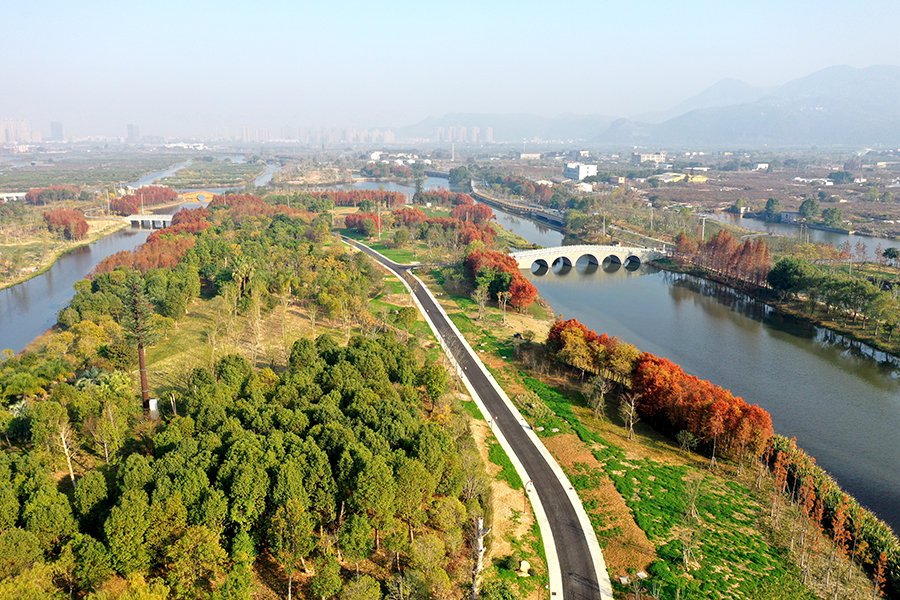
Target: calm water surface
x,y
840,400
814,235
28,309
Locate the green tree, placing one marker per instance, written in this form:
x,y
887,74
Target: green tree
x,y
92,562
291,538
892,254
355,536
498,589
402,237
89,496
140,327
833,217
363,587
790,276
435,380
19,550
415,485
194,562
773,205
50,428
48,515
125,528
326,583
809,208
375,493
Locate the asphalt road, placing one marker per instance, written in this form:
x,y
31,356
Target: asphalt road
x,y
579,579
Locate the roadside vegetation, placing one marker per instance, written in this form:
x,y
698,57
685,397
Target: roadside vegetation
x,y
310,441
714,506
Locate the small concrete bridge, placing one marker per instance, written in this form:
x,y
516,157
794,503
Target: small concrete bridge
x,y
563,258
149,221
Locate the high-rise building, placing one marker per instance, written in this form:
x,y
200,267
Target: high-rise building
x,y
440,134
489,135
15,132
134,133
462,136
451,134
56,131
475,132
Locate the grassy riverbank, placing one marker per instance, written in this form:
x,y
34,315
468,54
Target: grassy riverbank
x,y
37,255
860,330
708,533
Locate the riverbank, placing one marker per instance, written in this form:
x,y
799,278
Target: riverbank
x,y
99,228
796,309
639,492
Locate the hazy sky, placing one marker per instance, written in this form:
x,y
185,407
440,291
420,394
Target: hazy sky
x,y
191,66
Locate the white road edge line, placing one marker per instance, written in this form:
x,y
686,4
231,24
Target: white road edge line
x,y
553,568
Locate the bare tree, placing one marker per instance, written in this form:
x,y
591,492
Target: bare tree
x,y
595,391
502,299
628,411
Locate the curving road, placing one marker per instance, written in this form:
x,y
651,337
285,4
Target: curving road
x,y
577,555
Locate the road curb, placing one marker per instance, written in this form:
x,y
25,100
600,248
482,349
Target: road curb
x,y
553,567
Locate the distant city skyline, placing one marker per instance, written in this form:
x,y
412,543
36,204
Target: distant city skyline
x,y
190,69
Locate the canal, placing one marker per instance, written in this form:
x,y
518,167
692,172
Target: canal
x,y
839,399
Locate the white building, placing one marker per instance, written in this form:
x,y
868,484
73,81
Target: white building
x,y
579,171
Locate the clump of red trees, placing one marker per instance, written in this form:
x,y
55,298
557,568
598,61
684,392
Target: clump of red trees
x,y
358,221
164,247
674,401
474,213
667,397
575,345
747,261
71,223
46,195
409,216
442,197
244,206
149,195
496,268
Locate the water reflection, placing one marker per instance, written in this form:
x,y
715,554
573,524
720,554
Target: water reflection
x,y
841,399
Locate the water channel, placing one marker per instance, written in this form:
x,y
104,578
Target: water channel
x,y
814,235
840,400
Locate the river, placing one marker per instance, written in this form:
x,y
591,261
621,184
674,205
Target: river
x,y
840,400
814,235
28,309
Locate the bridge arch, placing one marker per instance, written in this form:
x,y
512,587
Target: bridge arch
x,y
585,258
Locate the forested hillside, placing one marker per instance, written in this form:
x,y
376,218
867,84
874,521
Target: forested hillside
x,y
344,469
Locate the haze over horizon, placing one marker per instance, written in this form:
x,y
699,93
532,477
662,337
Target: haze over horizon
x,y
192,68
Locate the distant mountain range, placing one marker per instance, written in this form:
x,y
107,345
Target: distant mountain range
x,y
837,106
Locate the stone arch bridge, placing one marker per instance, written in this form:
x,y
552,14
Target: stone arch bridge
x,y
564,258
